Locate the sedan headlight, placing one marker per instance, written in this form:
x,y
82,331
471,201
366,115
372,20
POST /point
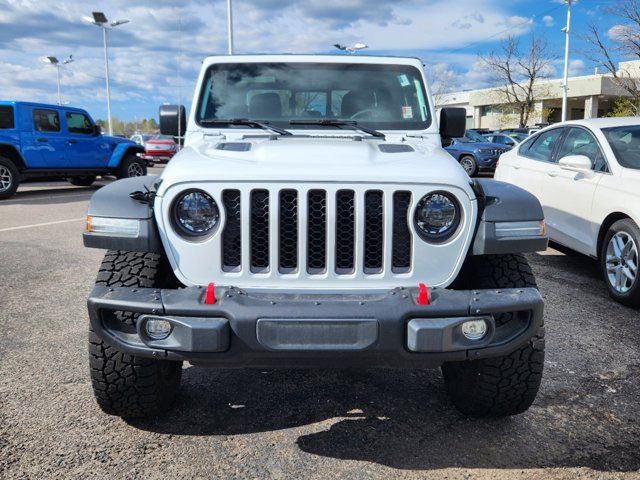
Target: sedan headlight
x,y
195,213
437,217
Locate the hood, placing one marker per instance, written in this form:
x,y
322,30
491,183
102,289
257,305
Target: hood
x,y
158,141
117,140
315,159
475,145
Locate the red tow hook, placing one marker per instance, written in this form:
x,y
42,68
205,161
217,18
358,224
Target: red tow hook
x,y
210,295
423,294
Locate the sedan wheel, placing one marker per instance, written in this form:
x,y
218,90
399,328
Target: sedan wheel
x,y
622,262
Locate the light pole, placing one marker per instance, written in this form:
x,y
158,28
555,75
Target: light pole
x,y
99,19
351,49
565,86
230,26
57,63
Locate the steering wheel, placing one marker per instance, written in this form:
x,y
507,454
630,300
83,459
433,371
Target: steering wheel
x,y
357,115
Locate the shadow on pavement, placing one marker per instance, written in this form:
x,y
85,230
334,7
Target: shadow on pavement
x,y
401,419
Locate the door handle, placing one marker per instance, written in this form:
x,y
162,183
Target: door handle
x,y
42,140
553,173
71,141
516,167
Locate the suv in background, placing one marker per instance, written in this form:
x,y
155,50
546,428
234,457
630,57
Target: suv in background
x,y
475,152
43,141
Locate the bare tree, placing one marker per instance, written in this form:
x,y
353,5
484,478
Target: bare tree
x,y
518,73
624,42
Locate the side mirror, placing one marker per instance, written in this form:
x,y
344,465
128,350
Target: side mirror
x,y
173,120
97,130
453,122
576,163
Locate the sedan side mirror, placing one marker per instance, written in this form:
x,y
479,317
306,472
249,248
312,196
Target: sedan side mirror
x,y
173,120
576,163
453,122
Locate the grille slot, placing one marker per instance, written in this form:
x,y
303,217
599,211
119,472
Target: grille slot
x,y
401,253
317,232
373,231
259,231
345,231
288,229
231,235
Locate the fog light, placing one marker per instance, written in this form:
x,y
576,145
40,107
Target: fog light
x,y
474,329
157,329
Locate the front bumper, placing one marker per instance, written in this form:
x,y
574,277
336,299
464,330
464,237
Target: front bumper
x,y
389,329
487,163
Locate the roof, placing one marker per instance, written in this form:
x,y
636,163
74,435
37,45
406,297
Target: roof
x,y
326,58
41,105
605,122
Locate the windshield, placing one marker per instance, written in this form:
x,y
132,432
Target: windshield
x,y
625,143
163,137
388,97
471,136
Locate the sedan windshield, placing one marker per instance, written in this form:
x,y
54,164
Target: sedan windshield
x,y
625,143
388,97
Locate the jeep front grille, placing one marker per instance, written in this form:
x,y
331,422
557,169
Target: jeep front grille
x,y
326,219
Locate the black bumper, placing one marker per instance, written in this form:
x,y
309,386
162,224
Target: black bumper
x,y
389,329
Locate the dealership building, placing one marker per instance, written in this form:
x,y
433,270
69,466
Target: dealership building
x,y
590,96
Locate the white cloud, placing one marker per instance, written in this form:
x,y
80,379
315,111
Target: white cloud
x,y
620,32
576,67
548,21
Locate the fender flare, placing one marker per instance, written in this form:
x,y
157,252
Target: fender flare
x,y
122,150
16,156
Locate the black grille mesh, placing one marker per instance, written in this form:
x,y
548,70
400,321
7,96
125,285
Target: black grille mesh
x,y
401,244
288,226
373,231
345,231
317,231
259,230
231,235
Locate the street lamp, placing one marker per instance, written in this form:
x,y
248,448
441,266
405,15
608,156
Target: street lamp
x,y
99,19
230,26
57,63
565,88
351,49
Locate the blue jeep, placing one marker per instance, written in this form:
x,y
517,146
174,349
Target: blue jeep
x,y
45,141
475,153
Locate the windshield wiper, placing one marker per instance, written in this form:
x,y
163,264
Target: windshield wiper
x,y
244,122
330,122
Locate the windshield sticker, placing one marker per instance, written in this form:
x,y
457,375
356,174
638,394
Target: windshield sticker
x,y
404,80
407,111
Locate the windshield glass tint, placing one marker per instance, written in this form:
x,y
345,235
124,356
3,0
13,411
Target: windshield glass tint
x,y
376,96
625,143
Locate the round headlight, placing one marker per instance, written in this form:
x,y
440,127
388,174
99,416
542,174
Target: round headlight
x,y
195,213
437,217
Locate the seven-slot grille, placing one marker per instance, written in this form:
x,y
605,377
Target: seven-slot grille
x,y
309,223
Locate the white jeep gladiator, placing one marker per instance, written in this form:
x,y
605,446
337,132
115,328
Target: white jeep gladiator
x,y
313,219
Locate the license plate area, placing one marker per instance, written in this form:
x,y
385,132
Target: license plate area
x,y
311,334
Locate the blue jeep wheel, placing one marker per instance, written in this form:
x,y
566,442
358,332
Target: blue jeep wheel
x,y
132,166
9,178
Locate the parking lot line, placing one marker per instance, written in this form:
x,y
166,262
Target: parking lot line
x,y
34,225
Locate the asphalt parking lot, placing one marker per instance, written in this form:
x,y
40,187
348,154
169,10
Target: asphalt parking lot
x,y
296,424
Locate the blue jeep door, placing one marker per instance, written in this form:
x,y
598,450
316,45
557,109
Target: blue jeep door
x,y
48,139
85,149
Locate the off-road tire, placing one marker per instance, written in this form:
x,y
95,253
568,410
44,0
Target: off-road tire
x,y
472,168
84,181
131,166
123,384
626,226
505,385
9,169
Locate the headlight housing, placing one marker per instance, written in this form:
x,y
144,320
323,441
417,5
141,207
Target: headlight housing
x,y
437,217
195,213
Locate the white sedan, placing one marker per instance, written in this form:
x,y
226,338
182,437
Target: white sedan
x,y
586,175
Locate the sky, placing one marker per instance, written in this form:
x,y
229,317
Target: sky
x,y
156,57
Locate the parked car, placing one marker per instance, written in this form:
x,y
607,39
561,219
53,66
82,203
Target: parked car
x,y
51,141
587,176
160,148
141,138
343,238
475,153
506,140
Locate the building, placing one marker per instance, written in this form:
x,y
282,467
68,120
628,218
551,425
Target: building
x,y
590,96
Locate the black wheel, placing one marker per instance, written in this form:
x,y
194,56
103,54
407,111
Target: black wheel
x,y
132,166
499,386
84,181
9,178
469,164
123,384
619,262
